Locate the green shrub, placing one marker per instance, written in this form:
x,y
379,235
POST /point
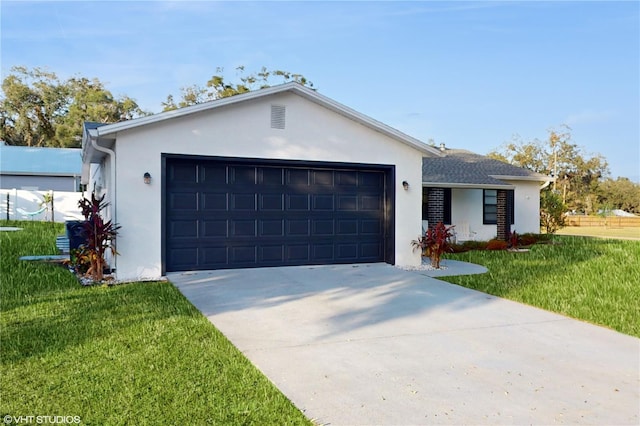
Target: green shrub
x,y
552,211
475,245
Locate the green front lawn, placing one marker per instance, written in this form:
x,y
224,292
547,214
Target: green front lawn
x,y
142,354
592,279
129,354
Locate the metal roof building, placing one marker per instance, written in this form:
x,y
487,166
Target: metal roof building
x,y
38,168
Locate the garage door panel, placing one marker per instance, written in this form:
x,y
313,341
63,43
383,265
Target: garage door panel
x,y
347,203
323,227
214,256
183,201
243,175
243,255
214,201
297,177
214,229
183,173
370,180
323,252
371,250
225,215
271,202
298,253
347,227
298,202
322,202
182,257
271,228
213,174
272,253
243,202
370,202
347,178
183,229
299,227
271,176
347,252
370,227
322,177
242,228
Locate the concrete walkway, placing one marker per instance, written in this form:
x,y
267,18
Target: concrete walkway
x,y
373,344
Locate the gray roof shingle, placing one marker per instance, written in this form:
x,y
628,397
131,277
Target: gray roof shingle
x,y
461,167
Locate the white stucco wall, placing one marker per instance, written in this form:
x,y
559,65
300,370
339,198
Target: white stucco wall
x,y
100,180
243,130
527,207
466,206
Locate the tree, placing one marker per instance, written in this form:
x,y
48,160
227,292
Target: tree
x,y
217,87
530,155
577,173
552,211
32,100
89,100
39,109
620,194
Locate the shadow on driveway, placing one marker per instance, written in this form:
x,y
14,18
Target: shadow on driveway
x,y
373,344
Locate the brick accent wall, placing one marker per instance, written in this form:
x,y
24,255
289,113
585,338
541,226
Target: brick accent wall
x,y
503,216
435,210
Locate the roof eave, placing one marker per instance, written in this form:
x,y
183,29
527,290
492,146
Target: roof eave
x,y
109,130
36,173
89,153
540,178
467,185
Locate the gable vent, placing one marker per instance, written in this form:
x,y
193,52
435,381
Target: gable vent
x,y
278,116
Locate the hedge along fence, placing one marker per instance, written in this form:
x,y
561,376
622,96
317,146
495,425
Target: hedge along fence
x,y
610,221
65,205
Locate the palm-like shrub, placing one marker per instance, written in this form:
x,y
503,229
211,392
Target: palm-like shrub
x,y
435,242
100,235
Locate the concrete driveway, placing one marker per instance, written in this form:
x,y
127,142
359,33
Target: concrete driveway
x,y
373,344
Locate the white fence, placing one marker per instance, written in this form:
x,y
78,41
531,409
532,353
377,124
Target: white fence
x,y
18,204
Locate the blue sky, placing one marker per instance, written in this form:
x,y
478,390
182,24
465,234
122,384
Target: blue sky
x,y
467,74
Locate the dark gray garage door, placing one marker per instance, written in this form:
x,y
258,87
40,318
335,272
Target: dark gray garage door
x,y
236,214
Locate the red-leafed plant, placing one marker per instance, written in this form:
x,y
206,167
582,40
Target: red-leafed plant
x,y
514,239
497,245
100,235
435,242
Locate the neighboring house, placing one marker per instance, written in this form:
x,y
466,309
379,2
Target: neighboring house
x,y
484,198
617,212
278,176
40,169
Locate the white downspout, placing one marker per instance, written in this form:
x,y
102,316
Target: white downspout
x,y
112,203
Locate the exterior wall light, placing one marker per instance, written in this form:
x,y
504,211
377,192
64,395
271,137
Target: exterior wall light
x,y
147,178
405,185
